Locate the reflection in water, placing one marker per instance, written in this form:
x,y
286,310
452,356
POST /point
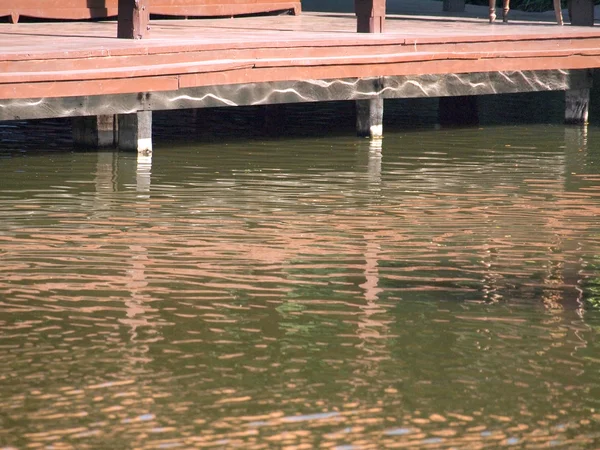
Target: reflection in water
x,y
432,291
142,174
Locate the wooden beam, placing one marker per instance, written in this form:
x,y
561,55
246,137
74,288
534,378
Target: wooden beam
x,y
370,15
134,16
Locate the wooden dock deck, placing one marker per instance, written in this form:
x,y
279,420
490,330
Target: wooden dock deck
x,y
81,69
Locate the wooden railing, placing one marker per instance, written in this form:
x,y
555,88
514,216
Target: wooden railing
x,y
370,14
96,9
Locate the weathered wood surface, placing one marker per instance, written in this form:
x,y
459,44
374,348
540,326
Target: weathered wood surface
x,y
71,59
94,9
134,19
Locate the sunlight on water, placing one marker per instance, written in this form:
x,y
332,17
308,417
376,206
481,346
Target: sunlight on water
x,y
439,290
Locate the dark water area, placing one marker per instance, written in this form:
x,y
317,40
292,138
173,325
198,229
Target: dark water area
x,y
303,288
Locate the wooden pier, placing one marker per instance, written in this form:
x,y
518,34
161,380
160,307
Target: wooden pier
x,y
111,86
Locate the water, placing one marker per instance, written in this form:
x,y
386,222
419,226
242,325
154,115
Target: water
x,y
303,291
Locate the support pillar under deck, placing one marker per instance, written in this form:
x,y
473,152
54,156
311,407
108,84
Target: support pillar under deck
x,y
369,118
370,18
94,131
577,99
135,132
577,104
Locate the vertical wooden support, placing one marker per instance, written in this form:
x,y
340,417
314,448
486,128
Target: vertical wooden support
x,y
577,98
458,111
370,15
582,12
454,5
94,131
135,132
370,18
577,104
369,118
134,16
14,17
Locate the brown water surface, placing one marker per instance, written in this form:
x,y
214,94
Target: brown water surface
x,y
439,291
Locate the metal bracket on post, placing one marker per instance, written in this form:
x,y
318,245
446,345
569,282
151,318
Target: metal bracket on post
x,y
134,17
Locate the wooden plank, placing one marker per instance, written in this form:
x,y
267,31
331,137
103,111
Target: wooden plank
x,y
77,40
53,60
221,8
86,9
49,89
185,62
238,75
425,67
179,63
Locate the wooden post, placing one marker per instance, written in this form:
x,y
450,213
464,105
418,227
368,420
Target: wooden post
x,y
135,132
577,98
369,118
582,12
370,18
577,104
134,16
94,131
370,15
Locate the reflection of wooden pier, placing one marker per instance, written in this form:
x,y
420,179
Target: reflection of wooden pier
x,y
81,70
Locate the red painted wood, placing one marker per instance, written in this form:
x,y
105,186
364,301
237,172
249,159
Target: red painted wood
x,y
75,88
134,17
86,9
66,59
370,15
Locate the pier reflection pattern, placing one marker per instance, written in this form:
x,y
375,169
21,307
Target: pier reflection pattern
x,y
321,295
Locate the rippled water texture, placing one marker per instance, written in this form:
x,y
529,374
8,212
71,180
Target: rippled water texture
x,y
438,292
